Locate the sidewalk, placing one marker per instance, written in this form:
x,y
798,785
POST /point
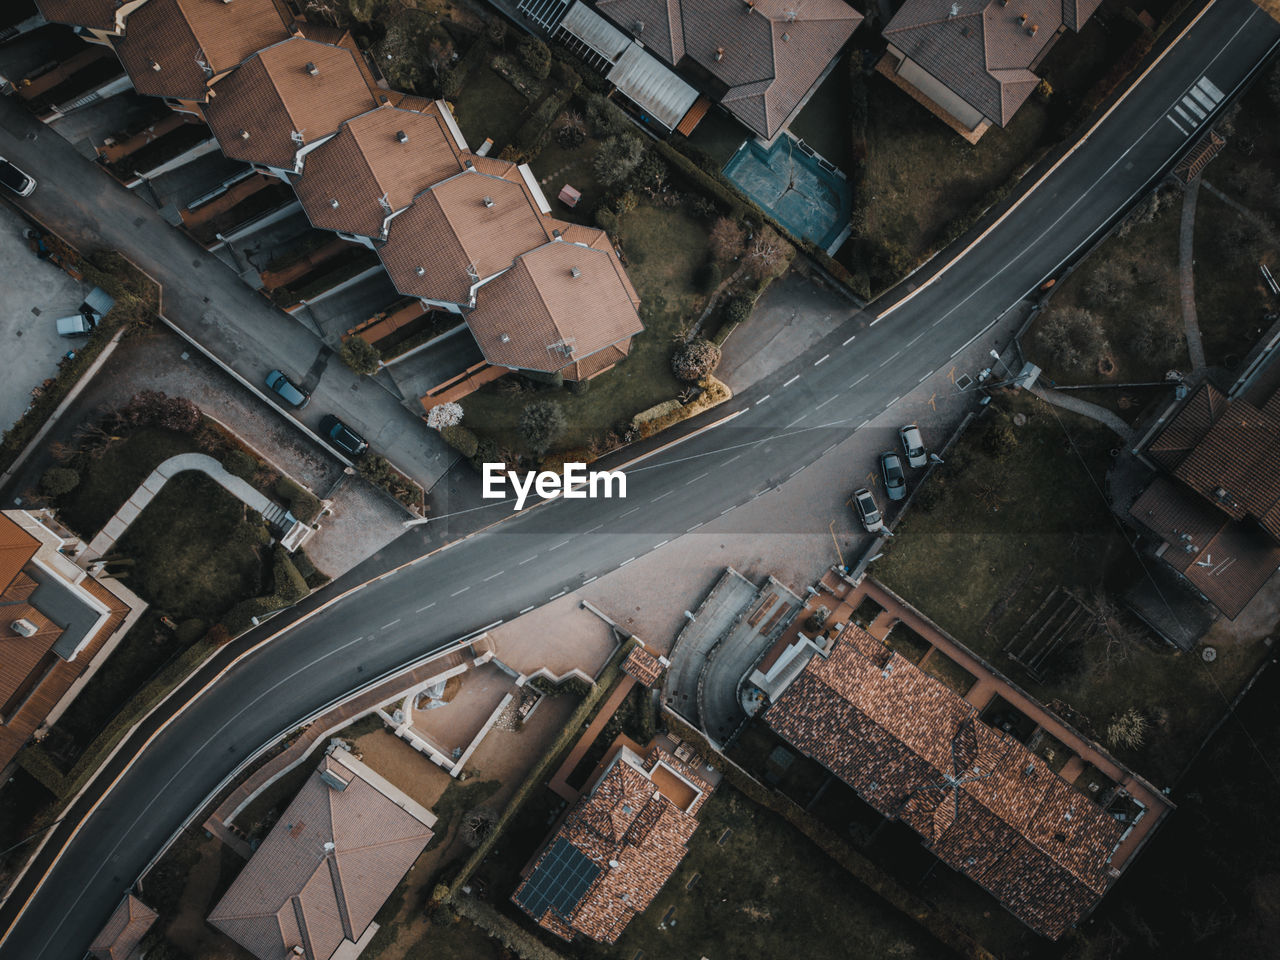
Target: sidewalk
x,y
207,301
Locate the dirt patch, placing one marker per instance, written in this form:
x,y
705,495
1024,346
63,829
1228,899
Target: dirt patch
x,y
403,766
188,929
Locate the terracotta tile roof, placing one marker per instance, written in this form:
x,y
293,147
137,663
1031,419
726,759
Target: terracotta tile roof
x,y
367,164
273,95
22,659
1188,427
626,835
99,14
642,665
983,803
1227,561
983,50
460,231
560,304
299,891
17,547
173,48
763,58
124,931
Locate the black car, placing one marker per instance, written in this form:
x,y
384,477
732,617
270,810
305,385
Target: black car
x,y
343,437
895,482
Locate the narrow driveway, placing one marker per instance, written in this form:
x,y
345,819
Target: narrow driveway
x,y
790,419
205,299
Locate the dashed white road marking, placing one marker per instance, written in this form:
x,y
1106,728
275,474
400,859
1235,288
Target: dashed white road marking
x,y
926,377
792,380
763,399
695,526
625,562
892,402
849,341
559,595
388,626
628,513
427,607
889,360
493,577
795,421
527,609
527,560
826,401
557,546
662,544
859,380
458,593
696,479
590,580
822,359
660,496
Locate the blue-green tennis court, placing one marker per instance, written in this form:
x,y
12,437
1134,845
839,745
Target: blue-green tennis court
x,y
798,188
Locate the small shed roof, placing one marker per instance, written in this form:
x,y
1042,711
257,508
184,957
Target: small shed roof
x,y
651,86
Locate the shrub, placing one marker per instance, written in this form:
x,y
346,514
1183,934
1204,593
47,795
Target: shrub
x,y
535,56
189,631
578,387
541,422
361,356
707,277
151,408
817,619
240,464
303,504
694,360
288,587
999,440
1127,729
444,415
738,309
727,239
616,158
1073,338
58,481
604,118
461,439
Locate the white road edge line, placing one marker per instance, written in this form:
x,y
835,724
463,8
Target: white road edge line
x,y
625,562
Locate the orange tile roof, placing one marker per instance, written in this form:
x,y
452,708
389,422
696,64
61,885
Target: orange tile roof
x,y
984,804
99,14
367,164
273,96
460,231
124,931
642,665
22,659
323,871
633,834
17,547
560,304
173,48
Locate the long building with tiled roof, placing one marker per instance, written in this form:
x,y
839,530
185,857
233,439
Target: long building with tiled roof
x,y
616,847
760,58
982,802
124,931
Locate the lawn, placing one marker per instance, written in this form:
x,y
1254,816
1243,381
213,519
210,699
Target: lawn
x,y
664,248
995,535
824,122
719,135
488,106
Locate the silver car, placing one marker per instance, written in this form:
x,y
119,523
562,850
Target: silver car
x,y
913,445
20,183
868,512
895,482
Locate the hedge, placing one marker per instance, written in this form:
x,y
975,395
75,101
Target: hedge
x,y
714,393
303,504
461,439
506,931
288,587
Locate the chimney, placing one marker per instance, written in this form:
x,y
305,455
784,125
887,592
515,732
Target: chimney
x,y
1022,19
402,136
487,201
23,627
383,98
955,11
153,65
244,134
312,69
575,272
1031,30
638,27
468,164
719,54
556,234
295,28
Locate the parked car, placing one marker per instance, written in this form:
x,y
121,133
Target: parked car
x,y
343,437
913,445
14,179
95,306
290,391
868,512
895,483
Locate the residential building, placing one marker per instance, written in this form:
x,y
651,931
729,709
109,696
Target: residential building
x,y
123,933
57,624
760,59
332,859
1045,832
972,63
96,20
356,182
618,845
1215,506
177,48
286,99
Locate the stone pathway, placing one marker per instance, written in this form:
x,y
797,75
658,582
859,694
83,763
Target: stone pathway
x,y
1086,409
1187,278
115,528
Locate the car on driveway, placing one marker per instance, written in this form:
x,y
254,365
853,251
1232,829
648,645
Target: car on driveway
x,y
868,512
293,394
895,482
913,445
14,179
342,437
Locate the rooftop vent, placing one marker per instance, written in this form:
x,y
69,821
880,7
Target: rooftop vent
x,y
419,271
719,54
312,68
334,203
487,201
614,864
637,27
468,164
1022,19
153,65
786,37
556,233
955,10
383,98
575,272
23,627
329,846
402,136
504,338
244,134
333,782
1220,493
297,951
1031,30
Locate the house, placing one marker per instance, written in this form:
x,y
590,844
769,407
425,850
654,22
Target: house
x,y
57,625
177,48
1215,505
618,845
327,866
96,20
972,62
356,182
123,933
564,307
760,59
983,802
286,99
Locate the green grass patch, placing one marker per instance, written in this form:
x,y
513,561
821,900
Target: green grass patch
x,y
719,135
488,106
995,536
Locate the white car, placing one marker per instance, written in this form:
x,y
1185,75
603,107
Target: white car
x,y
20,183
868,512
913,445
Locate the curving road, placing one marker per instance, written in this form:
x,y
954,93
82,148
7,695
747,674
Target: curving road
x,y
784,422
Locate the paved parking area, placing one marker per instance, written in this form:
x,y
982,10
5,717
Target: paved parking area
x,y
33,295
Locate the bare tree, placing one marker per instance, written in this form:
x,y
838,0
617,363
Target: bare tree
x,y
439,55
476,826
767,254
727,239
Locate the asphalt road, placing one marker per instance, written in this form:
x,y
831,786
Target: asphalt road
x,y
787,421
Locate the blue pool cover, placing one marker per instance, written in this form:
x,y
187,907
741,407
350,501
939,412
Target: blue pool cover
x,y
795,187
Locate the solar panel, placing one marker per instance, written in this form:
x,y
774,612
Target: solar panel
x,y
559,881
